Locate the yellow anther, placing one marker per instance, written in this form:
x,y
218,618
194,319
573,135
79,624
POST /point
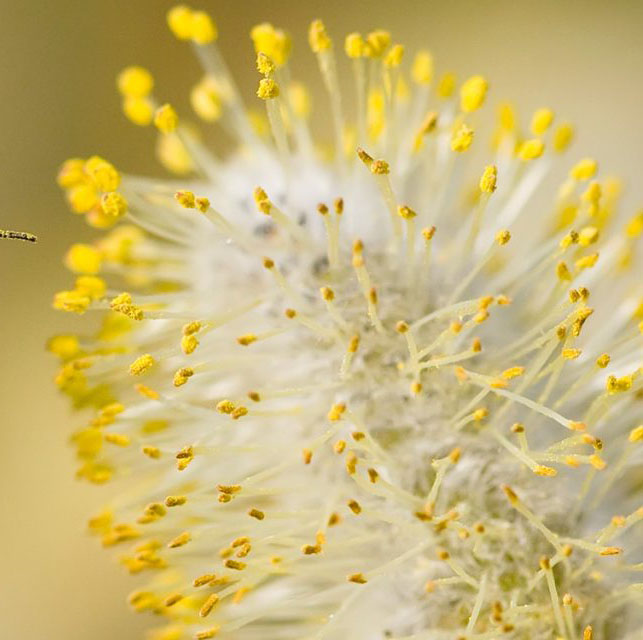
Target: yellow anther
x,y
203,30
541,121
357,578
182,375
481,316
310,549
64,346
327,294
299,98
179,19
175,501
380,167
322,209
511,495
593,193
618,385
173,154
377,43
636,435
603,360
336,412
208,605
119,439
401,327
173,599
202,204
588,236
354,506
189,344
257,514
180,540
71,173
517,427
138,110
135,82
586,262
373,476
151,452
254,396
103,174
512,372
166,119
275,43
462,138
634,227
563,272
541,470
146,392
531,149
422,69
351,462
91,286
563,137
208,633
588,633
472,93
571,354
268,89
597,462
394,57
488,179
82,198
568,239
355,46
318,37
307,455
446,85
406,212
206,100
265,66
503,237
454,455
239,412
480,414
247,339
83,258
141,365
113,204
585,169
428,233
476,347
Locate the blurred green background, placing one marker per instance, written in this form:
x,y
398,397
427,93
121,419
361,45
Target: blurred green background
x,y
58,61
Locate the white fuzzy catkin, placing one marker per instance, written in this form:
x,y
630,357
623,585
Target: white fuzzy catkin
x,y
369,399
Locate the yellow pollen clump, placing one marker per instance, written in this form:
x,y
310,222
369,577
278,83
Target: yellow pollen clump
x,y
406,212
462,138
268,89
422,69
503,237
265,66
83,258
103,174
165,119
113,204
531,149
488,179
186,199
141,365
473,93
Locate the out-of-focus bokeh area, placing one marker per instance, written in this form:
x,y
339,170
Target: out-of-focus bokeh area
x,y
58,61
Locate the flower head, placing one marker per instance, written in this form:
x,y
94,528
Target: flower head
x,y
360,390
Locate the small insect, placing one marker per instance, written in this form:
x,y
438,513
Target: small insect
x,y
18,235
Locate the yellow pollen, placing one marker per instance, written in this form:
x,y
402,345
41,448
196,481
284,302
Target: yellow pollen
x,y
268,89
141,365
208,605
513,372
83,258
256,514
336,412
226,407
113,204
503,237
377,43
185,199
406,212
151,452
208,633
586,262
585,169
462,138
247,339
571,354
265,65
394,57
180,540
636,435
357,578
488,179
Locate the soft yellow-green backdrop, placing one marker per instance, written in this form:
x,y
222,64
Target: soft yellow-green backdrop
x,y
58,59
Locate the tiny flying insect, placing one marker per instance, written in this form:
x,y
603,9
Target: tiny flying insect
x,y
18,235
